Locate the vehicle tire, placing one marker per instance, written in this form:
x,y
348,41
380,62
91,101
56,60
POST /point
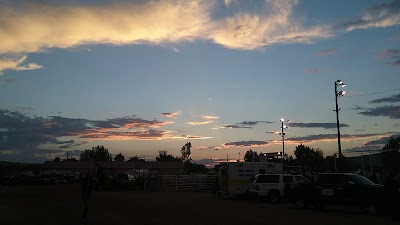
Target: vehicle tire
x,y
300,202
273,196
371,208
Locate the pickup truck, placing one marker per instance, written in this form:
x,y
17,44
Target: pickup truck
x,y
340,189
273,186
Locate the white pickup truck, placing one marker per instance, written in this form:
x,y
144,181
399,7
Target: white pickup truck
x,y
272,186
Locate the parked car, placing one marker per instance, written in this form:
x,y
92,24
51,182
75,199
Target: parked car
x,y
341,189
125,180
273,186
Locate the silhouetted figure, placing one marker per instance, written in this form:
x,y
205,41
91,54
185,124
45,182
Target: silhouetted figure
x,y
87,187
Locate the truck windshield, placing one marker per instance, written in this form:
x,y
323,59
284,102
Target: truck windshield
x,y
362,180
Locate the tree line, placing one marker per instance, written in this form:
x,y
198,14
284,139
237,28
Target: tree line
x,y
100,153
312,159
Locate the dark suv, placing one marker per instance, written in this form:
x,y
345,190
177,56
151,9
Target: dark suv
x,y
341,189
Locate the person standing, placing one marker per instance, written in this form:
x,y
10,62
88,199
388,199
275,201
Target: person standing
x,y
87,187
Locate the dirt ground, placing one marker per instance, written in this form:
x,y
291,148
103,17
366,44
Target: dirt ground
x,y
62,204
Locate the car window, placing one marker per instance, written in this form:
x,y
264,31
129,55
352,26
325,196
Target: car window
x,y
268,179
287,179
301,179
361,180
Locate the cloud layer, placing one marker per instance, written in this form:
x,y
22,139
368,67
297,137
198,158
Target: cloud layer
x,y
16,63
35,27
391,111
317,125
381,15
20,131
391,99
245,124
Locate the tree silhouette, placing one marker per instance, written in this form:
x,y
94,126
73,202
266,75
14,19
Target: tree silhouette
x,y
251,156
185,151
119,157
57,159
98,153
163,156
391,154
70,159
313,159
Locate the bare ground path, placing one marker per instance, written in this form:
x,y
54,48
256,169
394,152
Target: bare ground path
x,y
61,204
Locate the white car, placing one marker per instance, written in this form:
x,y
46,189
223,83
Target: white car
x,y
273,186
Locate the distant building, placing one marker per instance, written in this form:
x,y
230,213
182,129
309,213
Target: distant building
x,y
163,168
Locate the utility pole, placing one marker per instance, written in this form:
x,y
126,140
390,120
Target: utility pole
x,y
337,119
362,162
283,126
337,95
283,143
335,156
370,162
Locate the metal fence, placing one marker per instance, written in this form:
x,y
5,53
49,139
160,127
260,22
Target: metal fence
x,y
187,182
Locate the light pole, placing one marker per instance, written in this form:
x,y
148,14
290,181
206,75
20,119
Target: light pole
x,y
335,155
283,121
337,95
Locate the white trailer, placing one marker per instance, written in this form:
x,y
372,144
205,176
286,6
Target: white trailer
x,y
235,176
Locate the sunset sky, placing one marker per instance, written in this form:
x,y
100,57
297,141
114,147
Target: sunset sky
x,y
145,76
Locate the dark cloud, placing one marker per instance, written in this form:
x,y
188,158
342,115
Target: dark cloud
x,y
381,15
31,155
170,114
7,80
393,54
325,52
395,63
390,53
327,137
318,125
359,130
358,108
245,144
143,134
374,145
393,112
245,124
391,99
311,70
21,131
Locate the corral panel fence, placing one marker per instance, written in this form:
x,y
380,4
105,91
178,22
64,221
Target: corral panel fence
x,y
187,182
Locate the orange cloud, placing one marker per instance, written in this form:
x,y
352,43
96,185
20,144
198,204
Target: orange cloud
x,y
117,134
199,123
209,117
171,114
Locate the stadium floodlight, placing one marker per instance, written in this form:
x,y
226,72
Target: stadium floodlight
x,y
338,94
283,126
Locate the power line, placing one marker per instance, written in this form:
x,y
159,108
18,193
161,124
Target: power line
x,y
380,92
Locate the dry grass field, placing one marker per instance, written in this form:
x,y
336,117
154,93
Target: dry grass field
x,y
61,204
